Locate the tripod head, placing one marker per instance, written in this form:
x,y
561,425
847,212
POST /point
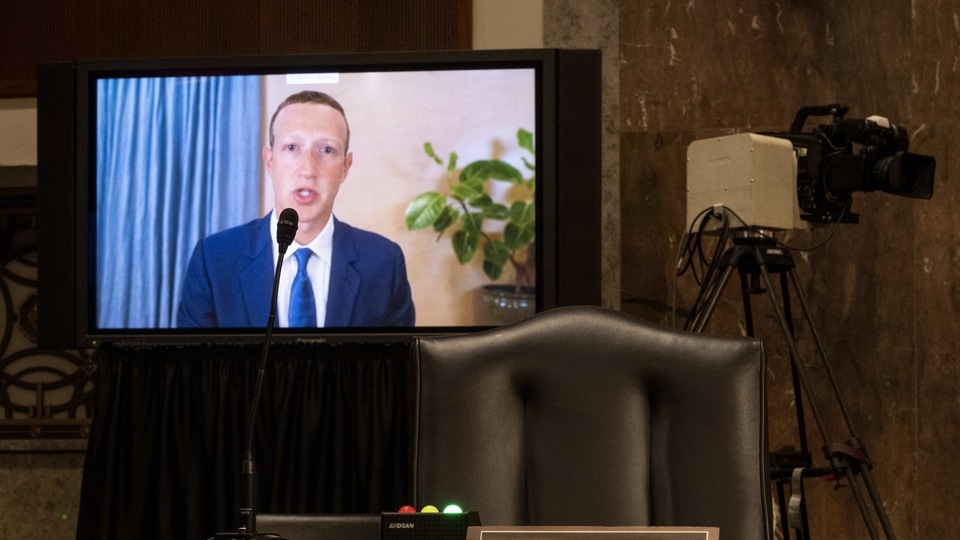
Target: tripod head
x,y
747,236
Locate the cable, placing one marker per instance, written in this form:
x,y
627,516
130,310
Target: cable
x,y
833,231
716,212
680,266
690,251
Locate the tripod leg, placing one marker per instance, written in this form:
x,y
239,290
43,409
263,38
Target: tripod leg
x,y
822,351
854,436
795,376
711,295
795,358
792,345
877,503
782,507
794,515
747,308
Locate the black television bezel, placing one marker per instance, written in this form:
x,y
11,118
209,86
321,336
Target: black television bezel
x,y
568,139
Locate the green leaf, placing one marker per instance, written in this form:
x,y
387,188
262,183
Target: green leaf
x,y
492,168
468,190
492,270
481,202
428,148
522,213
517,236
495,211
525,140
529,165
424,210
496,252
452,164
472,223
464,245
446,218
522,228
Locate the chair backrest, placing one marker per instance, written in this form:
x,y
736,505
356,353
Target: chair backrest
x,y
587,416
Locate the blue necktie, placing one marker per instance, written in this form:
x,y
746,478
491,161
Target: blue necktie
x,y
303,306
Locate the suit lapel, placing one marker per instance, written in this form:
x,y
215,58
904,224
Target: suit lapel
x,y
256,278
344,278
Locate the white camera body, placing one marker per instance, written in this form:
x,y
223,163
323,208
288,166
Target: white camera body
x,y
753,175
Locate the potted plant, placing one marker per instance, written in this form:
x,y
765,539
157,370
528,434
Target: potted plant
x,y
470,204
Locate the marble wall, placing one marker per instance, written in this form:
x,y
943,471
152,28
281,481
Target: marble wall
x,y
594,24
884,294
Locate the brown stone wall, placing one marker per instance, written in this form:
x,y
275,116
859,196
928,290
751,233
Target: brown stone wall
x,y
884,294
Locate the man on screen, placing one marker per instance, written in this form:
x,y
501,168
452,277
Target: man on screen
x,y
349,277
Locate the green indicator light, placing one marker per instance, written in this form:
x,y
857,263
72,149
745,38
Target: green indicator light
x,y
452,509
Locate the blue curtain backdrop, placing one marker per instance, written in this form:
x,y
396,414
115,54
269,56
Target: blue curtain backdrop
x,y
177,159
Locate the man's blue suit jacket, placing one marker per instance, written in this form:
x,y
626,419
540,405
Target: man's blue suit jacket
x,y
229,280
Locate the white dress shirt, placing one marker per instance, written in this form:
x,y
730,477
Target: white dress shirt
x,y
318,269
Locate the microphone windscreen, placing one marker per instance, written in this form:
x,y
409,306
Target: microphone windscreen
x,y
287,224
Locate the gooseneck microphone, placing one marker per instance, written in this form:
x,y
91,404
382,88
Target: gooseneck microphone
x,y
287,223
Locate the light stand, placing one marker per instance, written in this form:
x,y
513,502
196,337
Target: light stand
x,y
757,256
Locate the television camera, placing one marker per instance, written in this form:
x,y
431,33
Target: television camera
x,y
792,179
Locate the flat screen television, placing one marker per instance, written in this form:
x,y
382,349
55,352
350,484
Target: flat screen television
x,y
139,160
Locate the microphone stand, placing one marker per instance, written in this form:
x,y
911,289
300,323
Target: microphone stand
x,y
248,473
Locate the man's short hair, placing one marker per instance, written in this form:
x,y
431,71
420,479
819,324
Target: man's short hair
x,y
318,98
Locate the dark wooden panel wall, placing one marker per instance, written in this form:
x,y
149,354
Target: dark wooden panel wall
x,y
34,31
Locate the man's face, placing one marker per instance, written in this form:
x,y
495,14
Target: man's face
x,y
307,163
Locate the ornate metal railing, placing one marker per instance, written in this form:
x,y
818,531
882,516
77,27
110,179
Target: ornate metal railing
x,y
44,394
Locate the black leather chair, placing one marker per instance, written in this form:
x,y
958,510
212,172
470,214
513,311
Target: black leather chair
x,y
587,416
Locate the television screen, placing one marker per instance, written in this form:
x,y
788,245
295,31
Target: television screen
x,y
428,186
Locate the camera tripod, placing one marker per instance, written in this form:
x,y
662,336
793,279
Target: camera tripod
x,y
756,257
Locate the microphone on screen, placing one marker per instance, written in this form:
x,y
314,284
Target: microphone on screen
x,y
287,224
